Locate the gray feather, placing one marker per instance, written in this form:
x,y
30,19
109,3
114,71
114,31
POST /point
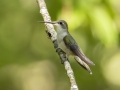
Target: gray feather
x,y
72,45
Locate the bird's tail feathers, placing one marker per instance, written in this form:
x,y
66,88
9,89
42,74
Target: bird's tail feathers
x,y
83,64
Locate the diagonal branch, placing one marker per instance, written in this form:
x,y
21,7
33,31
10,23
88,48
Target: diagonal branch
x,y
53,36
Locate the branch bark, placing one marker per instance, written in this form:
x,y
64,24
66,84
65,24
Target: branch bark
x,y
53,36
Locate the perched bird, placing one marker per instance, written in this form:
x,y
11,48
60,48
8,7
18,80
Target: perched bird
x,y
67,43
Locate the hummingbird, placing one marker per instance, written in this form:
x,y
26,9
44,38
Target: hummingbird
x,y
68,44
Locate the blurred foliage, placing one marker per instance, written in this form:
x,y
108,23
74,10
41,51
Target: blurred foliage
x,y
28,60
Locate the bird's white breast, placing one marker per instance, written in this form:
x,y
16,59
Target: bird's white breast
x,y
61,44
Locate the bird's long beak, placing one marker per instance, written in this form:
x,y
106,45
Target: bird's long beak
x,y
54,22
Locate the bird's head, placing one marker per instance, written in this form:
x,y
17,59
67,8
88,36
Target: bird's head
x,y
61,25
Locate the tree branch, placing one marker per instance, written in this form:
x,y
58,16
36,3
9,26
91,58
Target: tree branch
x,y
53,36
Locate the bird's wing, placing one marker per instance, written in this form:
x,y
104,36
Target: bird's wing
x,y
72,45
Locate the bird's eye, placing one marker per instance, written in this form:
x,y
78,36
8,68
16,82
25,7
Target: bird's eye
x,y
60,23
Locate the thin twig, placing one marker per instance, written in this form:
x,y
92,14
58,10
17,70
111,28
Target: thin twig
x,y
53,36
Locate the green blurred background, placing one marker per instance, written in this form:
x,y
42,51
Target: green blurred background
x,y
28,60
